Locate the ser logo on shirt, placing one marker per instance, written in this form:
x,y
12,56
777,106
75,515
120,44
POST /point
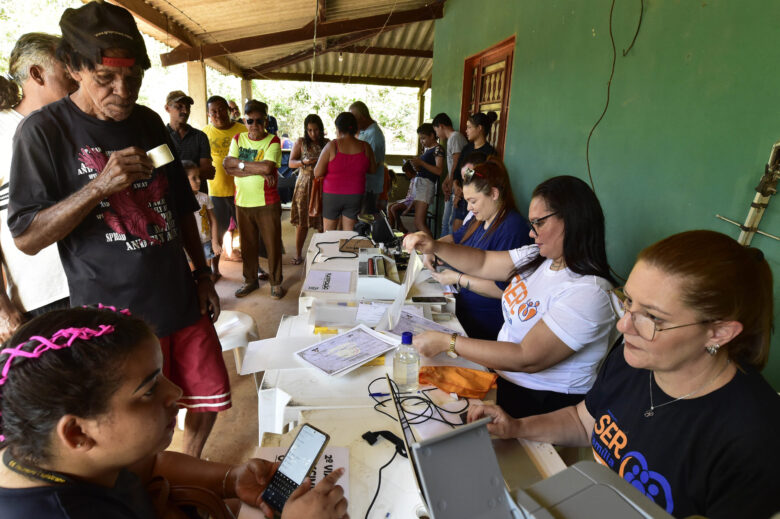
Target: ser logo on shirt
x,y
608,442
515,301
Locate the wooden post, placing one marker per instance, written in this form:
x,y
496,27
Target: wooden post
x,y
246,92
196,87
420,118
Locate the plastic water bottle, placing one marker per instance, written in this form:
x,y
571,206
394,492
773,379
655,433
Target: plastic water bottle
x,y
406,365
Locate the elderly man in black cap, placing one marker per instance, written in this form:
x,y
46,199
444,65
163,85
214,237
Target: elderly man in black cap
x,y
191,143
81,178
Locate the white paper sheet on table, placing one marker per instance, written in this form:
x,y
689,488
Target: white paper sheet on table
x,y
276,353
294,326
393,313
370,313
327,282
343,353
332,458
409,322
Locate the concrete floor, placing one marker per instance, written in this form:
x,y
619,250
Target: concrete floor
x,y
234,437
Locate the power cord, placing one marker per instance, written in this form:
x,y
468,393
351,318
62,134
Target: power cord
x,y
319,250
425,414
379,483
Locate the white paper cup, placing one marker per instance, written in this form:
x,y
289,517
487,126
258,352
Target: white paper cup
x,y
161,155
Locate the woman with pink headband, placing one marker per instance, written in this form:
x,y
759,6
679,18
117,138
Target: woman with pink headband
x,y
86,416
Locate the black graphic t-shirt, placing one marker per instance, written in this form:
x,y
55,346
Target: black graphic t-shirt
x,y
127,252
126,500
716,455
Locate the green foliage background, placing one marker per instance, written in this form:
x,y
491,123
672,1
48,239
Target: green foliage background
x,y
394,108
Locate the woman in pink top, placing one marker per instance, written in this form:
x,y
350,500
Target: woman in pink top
x,y
344,163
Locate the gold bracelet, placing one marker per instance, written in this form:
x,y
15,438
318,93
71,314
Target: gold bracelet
x,y
224,481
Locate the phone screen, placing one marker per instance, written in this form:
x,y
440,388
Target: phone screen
x,y
303,454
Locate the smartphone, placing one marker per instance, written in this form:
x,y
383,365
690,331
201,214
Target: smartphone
x,y
434,300
296,466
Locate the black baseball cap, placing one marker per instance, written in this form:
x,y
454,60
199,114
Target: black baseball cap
x,y
97,26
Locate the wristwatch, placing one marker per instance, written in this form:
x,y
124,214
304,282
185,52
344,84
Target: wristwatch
x,y
241,165
451,352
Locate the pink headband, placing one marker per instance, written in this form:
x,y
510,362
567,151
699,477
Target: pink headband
x,y
70,334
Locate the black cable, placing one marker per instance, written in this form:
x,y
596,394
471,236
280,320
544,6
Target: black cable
x,y
417,417
609,86
641,12
379,483
319,250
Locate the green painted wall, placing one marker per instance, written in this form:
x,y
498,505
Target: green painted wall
x,y
695,108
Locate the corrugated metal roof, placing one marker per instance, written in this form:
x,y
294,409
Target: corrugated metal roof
x,y
212,23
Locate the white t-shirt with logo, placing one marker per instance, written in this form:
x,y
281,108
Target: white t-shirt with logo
x,y
577,310
33,281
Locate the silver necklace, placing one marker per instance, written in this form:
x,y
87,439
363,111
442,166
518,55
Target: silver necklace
x,y
650,412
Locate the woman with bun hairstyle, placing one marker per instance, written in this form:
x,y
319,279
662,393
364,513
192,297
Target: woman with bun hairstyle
x,y
493,223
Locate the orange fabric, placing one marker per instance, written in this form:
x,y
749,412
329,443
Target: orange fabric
x,y
465,382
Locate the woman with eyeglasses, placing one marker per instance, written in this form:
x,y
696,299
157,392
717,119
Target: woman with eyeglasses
x,y
680,410
344,162
493,223
558,319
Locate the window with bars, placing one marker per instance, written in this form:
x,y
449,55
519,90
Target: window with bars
x,y
486,87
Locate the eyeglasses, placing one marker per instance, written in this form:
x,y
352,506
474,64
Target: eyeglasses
x,y
643,323
469,173
253,121
536,221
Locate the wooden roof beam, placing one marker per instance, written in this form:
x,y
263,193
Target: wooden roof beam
x,y
388,51
307,53
326,78
158,20
324,30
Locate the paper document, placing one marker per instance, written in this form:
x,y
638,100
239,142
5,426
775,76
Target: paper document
x,y
390,319
327,281
370,313
332,458
343,353
275,353
408,322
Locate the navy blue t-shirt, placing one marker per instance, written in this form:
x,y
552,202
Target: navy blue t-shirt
x,y
127,500
714,455
481,316
429,157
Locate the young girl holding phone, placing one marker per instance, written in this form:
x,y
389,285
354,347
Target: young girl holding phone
x,y
86,415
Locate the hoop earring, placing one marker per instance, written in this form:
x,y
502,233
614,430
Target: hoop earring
x,y
713,349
